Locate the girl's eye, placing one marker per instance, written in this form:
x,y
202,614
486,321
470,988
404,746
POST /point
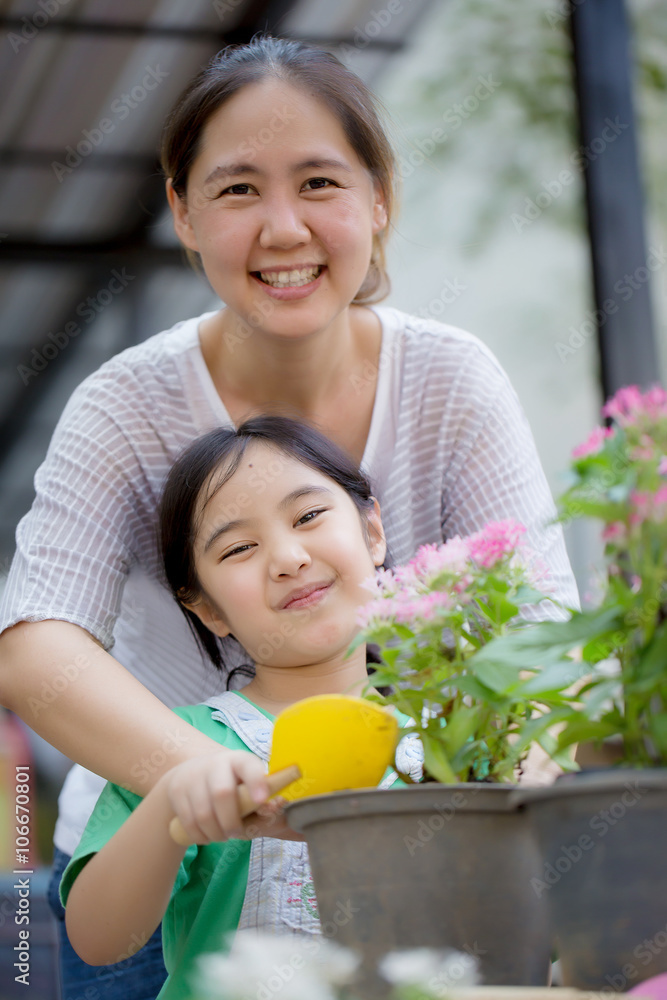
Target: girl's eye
x,y
235,551
310,515
319,182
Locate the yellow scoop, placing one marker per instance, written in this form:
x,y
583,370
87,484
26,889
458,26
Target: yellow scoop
x,y
323,744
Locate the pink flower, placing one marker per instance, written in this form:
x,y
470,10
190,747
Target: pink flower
x,y
640,507
431,561
593,443
662,467
614,532
630,404
376,613
424,608
494,542
648,506
660,505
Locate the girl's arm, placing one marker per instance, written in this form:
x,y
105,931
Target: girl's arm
x,y
120,896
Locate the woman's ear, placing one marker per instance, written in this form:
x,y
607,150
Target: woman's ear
x,y
377,543
209,616
379,211
181,214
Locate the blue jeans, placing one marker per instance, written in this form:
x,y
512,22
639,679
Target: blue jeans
x,y
140,977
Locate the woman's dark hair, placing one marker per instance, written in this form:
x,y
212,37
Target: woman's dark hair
x,y
205,466
321,76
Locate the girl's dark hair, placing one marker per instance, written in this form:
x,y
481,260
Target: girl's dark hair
x,y
320,75
205,466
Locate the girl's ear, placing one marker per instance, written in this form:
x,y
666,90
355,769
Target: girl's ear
x,y
209,616
181,214
377,542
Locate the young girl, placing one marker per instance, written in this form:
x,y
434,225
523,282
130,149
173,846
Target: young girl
x,y
268,533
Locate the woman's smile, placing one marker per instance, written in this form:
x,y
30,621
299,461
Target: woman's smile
x,y
287,284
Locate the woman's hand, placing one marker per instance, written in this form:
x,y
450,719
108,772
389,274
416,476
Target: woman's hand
x,y
202,793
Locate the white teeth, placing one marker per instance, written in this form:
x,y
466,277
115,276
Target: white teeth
x,y
290,279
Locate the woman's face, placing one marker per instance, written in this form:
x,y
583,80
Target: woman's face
x,y
281,210
281,557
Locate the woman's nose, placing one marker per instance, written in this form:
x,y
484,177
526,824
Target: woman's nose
x,y
284,226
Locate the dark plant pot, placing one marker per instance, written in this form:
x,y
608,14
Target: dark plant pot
x,y
603,840
431,866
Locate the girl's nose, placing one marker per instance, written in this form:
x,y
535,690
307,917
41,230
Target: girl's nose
x,y
284,226
287,559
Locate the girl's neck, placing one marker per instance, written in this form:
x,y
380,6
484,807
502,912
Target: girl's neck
x,y
254,371
276,688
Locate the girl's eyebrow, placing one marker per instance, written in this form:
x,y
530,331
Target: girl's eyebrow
x,y
303,491
236,169
287,501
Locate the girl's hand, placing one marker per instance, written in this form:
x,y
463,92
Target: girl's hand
x,y
202,793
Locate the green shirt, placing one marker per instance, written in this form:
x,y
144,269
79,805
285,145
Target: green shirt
x,y
210,887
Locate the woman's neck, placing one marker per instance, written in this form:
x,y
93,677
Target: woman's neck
x,y
306,375
276,688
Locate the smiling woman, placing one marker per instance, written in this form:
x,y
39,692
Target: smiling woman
x,y
281,183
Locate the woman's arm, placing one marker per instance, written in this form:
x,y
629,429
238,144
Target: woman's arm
x,y
120,896
79,698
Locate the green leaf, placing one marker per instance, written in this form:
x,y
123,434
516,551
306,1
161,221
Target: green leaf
x,y
607,688
654,659
436,762
546,642
461,725
526,594
658,729
578,730
499,676
553,678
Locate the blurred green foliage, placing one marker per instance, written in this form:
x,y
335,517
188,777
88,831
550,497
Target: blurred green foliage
x,y
527,130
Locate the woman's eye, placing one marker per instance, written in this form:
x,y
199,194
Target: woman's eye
x,y
237,189
318,183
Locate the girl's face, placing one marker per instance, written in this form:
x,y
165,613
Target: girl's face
x,y
281,210
281,557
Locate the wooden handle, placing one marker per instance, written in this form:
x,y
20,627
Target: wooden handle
x,y
276,782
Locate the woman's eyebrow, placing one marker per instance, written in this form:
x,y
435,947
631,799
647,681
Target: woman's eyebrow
x,y
230,170
239,168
